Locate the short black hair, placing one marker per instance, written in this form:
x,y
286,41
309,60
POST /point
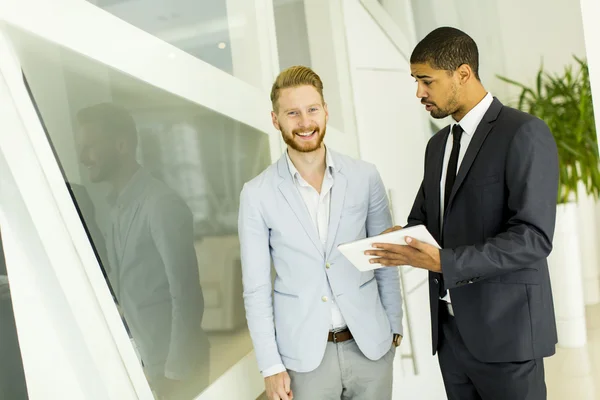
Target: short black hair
x,y
447,48
110,119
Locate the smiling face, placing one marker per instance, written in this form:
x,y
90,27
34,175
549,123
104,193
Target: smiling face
x,y
438,89
301,116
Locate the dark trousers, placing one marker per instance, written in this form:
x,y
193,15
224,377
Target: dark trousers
x,y
466,378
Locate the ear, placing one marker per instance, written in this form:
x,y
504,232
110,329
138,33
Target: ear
x,y
465,73
275,120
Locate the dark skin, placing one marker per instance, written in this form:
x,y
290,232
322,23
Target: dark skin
x,y
443,93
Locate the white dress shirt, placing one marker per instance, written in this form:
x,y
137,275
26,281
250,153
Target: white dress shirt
x,y
318,205
469,124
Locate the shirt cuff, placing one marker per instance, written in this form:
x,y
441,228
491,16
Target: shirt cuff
x,y
274,370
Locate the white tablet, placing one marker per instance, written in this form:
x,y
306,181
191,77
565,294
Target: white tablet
x,y
355,251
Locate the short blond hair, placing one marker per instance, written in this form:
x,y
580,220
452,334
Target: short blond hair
x,y
293,77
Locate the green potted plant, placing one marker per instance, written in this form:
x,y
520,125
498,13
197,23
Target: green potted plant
x,y
564,102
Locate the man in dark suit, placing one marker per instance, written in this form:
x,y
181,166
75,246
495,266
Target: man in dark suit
x,y
488,197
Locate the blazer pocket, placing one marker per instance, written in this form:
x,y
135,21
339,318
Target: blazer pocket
x,y
293,296
354,208
154,302
487,180
367,283
527,276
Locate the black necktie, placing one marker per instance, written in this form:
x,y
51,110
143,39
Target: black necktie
x,y
452,163
457,132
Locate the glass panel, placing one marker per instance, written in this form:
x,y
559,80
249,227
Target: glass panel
x,y
156,180
198,27
292,33
12,377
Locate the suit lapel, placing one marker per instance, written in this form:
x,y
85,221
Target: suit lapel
x,y
338,195
481,133
294,200
438,163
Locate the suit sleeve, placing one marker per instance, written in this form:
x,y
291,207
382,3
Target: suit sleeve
x,y
256,274
388,281
532,182
418,214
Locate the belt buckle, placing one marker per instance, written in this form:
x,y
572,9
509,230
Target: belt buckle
x,y
334,335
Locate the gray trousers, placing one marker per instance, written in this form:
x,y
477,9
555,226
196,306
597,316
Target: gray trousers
x,y
346,374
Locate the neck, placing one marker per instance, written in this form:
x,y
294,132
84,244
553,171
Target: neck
x,y
126,172
309,164
473,97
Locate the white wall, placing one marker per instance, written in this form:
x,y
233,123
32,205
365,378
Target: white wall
x,y
590,11
513,35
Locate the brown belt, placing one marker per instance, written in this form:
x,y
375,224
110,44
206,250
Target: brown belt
x,y
339,336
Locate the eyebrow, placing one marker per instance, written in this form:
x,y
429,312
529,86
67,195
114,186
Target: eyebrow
x,y
296,108
421,76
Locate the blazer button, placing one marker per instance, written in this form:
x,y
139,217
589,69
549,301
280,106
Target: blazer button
x,y
324,299
436,281
327,265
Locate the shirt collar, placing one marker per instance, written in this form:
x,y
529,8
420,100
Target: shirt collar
x,y
470,121
328,163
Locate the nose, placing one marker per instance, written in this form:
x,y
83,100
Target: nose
x,y
421,92
304,121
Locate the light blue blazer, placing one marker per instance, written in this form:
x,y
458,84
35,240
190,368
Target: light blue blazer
x,y
289,322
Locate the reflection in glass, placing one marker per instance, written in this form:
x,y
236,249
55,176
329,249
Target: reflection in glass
x,y
12,377
152,264
156,180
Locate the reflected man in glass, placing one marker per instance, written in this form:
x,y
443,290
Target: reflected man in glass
x,y
150,245
12,376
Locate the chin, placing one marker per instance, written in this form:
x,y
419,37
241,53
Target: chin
x,y
439,115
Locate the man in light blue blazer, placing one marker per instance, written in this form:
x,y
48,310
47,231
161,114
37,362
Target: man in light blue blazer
x,y
325,330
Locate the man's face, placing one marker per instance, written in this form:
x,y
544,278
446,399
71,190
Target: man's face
x,y
438,89
98,153
301,117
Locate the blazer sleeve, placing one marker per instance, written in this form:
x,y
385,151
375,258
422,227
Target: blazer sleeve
x,y
171,226
388,281
256,274
532,182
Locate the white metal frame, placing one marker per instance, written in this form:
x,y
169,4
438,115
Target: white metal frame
x,y
47,250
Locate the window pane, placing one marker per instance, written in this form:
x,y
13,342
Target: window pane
x,y
156,180
12,378
292,33
198,27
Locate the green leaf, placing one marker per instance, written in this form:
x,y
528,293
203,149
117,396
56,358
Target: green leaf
x,y
564,102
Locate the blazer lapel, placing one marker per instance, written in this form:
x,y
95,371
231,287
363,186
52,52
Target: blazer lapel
x,y
129,219
338,195
483,129
294,200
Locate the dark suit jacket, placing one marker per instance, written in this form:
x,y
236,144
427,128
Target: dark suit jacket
x,y
496,236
